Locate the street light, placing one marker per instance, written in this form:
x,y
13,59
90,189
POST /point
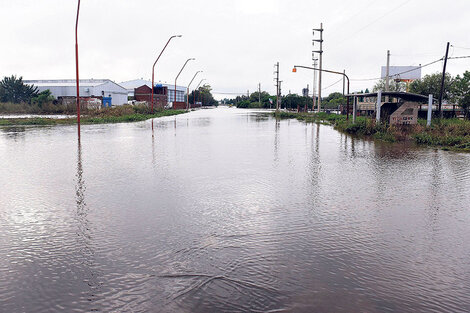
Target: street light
x,y
294,70
198,88
187,90
180,73
76,71
153,67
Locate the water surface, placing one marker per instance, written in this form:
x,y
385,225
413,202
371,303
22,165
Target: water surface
x,y
229,210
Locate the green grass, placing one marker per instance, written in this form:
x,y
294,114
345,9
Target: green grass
x,y
105,116
450,134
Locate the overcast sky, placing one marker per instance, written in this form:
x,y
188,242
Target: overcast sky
x,y
236,43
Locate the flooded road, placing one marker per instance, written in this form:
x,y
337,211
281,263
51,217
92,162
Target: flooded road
x,y
229,210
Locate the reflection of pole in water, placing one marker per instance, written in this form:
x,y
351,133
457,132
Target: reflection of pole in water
x,y
314,166
276,139
153,148
152,129
84,236
317,139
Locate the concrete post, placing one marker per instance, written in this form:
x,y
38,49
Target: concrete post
x,y
428,123
354,109
379,105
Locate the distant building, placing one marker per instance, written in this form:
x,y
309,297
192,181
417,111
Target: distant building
x,y
160,95
89,88
131,85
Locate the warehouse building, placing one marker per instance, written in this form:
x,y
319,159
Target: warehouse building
x,y
131,85
89,88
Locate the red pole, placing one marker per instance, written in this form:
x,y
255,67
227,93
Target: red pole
x,y
153,67
180,73
76,69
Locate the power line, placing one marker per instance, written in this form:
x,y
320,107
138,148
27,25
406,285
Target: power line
x,y
375,21
465,48
398,74
335,83
461,57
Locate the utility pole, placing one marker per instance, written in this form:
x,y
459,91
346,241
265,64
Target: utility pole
x,y
441,94
276,72
306,97
259,93
321,60
387,75
280,94
344,80
314,88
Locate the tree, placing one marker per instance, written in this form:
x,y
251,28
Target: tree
x,y
461,90
254,97
431,84
13,89
204,95
334,99
394,85
293,101
42,98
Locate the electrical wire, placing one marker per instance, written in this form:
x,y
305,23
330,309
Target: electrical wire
x,y
460,57
340,80
398,74
465,48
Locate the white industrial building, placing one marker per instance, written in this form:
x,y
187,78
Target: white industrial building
x,y
132,84
88,88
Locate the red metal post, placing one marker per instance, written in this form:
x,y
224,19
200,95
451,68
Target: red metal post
x,y
76,69
153,67
180,73
189,105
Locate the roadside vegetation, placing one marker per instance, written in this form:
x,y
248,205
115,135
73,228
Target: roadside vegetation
x,y
451,134
120,114
19,98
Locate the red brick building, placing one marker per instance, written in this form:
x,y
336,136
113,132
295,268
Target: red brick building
x,y
160,95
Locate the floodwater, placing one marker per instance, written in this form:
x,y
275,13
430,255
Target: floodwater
x,y
229,210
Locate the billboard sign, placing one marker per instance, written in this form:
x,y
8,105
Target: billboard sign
x,y
402,72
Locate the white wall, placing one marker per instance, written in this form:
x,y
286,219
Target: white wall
x,y
118,93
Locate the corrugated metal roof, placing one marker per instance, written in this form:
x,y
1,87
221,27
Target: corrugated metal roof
x,y
407,96
131,84
67,82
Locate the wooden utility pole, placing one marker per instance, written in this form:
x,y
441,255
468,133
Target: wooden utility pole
x,y
441,94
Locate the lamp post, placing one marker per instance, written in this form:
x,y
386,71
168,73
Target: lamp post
x,y
198,88
187,90
190,59
153,67
328,71
76,70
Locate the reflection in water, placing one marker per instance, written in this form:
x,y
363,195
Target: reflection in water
x,y
276,139
230,219
14,132
84,232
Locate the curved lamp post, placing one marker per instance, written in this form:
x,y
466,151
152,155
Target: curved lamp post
x,y
76,70
328,71
153,67
188,105
180,73
198,88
